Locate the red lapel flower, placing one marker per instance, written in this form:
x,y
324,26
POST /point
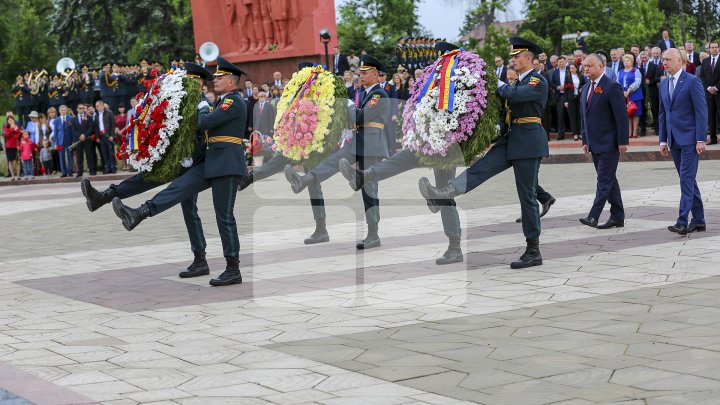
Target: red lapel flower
x,y
598,90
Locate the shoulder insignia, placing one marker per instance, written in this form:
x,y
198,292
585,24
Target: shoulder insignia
x,y
226,104
374,100
534,81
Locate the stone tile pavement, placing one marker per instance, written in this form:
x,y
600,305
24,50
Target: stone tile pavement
x,y
94,314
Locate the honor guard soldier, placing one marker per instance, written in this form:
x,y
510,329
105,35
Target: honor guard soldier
x,y
21,94
367,147
400,51
220,169
521,148
406,160
137,185
317,201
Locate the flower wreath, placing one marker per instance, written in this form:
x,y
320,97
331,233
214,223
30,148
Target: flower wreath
x,y
311,114
158,139
453,104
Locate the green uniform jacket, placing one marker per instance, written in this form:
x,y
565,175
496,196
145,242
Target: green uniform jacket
x,y
526,99
227,119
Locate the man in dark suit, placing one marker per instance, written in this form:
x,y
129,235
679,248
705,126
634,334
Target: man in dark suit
x,y
367,147
710,75
105,130
521,148
605,135
560,78
220,169
665,42
652,79
693,56
82,129
643,66
340,62
263,116
137,184
501,69
277,80
683,131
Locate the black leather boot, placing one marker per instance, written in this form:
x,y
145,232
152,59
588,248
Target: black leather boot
x,y
356,178
130,217
371,240
453,254
320,235
297,182
436,197
95,199
199,267
245,181
531,257
231,275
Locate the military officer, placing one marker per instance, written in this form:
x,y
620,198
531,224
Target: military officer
x,y
109,84
220,169
276,165
367,147
137,185
404,161
521,148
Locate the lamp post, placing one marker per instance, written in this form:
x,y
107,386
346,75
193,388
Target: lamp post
x,y
325,39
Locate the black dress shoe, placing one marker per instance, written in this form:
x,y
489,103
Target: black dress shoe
x,y
611,223
231,275
199,267
696,228
591,222
678,229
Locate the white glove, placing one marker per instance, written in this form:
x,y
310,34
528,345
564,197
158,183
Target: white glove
x,y
203,104
187,162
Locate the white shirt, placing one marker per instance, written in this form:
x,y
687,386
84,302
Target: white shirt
x,y
519,79
100,120
576,82
713,59
562,80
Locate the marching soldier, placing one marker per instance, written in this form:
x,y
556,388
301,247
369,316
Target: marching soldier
x,y
367,147
406,160
220,169
137,185
317,201
521,148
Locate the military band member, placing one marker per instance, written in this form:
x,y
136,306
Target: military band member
x,y
56,92
85,85
109,84
137,185
367,147
220,169
521,148
21,94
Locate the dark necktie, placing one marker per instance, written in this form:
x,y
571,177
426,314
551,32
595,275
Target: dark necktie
x,y
712,65
590,94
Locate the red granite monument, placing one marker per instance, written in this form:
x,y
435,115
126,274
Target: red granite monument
x,y
264,36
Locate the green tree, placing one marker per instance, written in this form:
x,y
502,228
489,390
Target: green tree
x,y
88,30
496,38
375,25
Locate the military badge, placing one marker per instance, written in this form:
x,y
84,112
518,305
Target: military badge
x,y
534,81
374,100
226,104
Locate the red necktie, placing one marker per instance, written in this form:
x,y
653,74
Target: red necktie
x,y
357,98
261,107
590,94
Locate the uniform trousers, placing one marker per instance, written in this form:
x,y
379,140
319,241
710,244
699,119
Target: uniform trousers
x,y
526,175
406,160
328,167
137,185
224,189
276,165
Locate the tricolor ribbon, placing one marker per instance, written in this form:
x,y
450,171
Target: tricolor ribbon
x,y
300,93
445,66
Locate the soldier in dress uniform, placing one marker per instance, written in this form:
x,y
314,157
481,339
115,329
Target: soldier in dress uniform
x,y
109,83
85,85
21,94
56,92
276,165
406,160
137,185
367,147
521,148
400,50
43,94
221,169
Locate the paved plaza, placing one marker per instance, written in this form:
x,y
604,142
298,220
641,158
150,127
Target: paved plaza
x,y
91,313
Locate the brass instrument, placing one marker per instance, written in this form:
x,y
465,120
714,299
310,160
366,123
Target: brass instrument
x,y
37,83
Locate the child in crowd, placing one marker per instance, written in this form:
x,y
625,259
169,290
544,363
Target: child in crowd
x,y
26,155
46,158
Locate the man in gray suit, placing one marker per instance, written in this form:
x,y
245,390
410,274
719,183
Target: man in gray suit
x,y
367,147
